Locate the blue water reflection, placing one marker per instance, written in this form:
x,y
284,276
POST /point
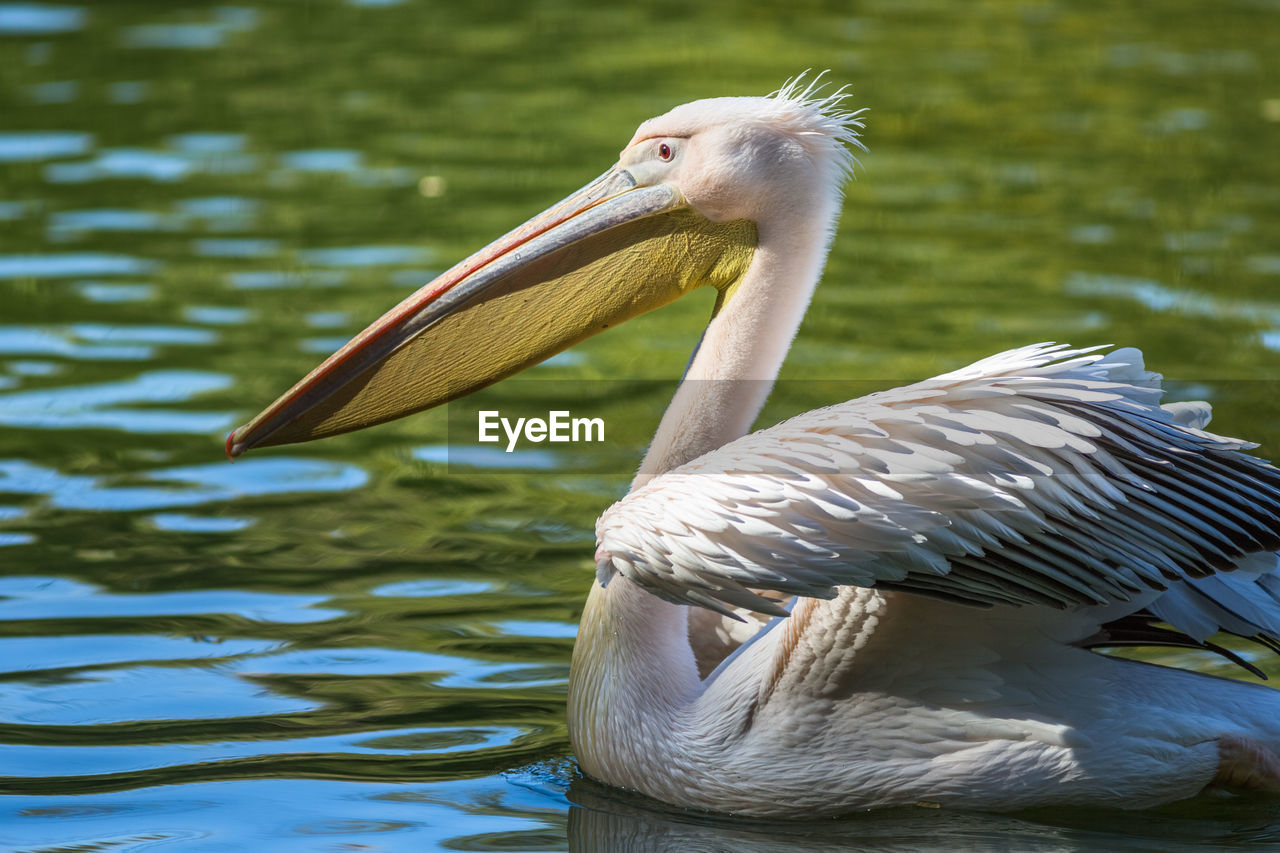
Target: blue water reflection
x,y
33,654
433,588
1160,297
334,160
102,760
327,319
277,279
220,213
24,340
39,19
137,693
54,92
531,628
495,458
27,367
11,210
192,36
184,523
321,346
217,315
208,143
239,814
365,661
28,598
72,265
343,161
42,145
150,164
241,247
180,487
121,163
106,406
1264,264
128,91
365,256
67,224
99,291
100,342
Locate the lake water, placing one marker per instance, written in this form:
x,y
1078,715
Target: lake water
x,y
363,643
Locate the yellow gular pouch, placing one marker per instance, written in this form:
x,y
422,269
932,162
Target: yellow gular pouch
x,y
536,311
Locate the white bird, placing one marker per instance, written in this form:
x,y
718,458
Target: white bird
x,y
933,563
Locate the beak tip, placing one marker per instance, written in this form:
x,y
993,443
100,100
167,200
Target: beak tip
x,y
234,448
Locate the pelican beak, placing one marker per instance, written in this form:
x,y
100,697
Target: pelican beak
x,y
609,252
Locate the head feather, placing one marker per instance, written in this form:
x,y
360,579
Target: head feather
x,y
819,121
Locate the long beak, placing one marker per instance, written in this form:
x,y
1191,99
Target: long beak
x,y
609,252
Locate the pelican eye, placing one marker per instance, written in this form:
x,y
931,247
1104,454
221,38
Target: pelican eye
x,y
665,153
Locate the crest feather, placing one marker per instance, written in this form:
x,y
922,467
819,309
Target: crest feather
x,y
815,116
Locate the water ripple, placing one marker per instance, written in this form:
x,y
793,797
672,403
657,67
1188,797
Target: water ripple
x,y
221,213
72,265
81,651
73,223
100,406
99,291
41,145
448,671
150,164
26,598
241,247
28,340
182,487
11,210
127,91
537,628
282,814
137,694
39,19
122,163
217,315
99,341
326,160
193,36
493,458
364,256
184,523
1160,297
54,92
133,758
208,143
276,279
432,588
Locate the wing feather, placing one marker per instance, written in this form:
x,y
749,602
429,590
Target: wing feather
x,y
1044,475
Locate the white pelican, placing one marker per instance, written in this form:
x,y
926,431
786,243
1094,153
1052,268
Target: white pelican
x,y
932,563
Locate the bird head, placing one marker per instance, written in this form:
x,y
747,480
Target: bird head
x,y
681,209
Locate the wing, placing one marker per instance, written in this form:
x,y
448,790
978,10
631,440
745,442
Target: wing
x,y
1038,476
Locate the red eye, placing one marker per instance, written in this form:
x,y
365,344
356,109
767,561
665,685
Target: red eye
x,y
664,153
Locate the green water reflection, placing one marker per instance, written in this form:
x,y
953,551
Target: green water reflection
x,y
353,641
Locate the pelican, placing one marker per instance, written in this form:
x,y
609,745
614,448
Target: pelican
x,y
889,601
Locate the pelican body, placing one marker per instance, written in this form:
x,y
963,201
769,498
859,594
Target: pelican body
x,y
884,602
